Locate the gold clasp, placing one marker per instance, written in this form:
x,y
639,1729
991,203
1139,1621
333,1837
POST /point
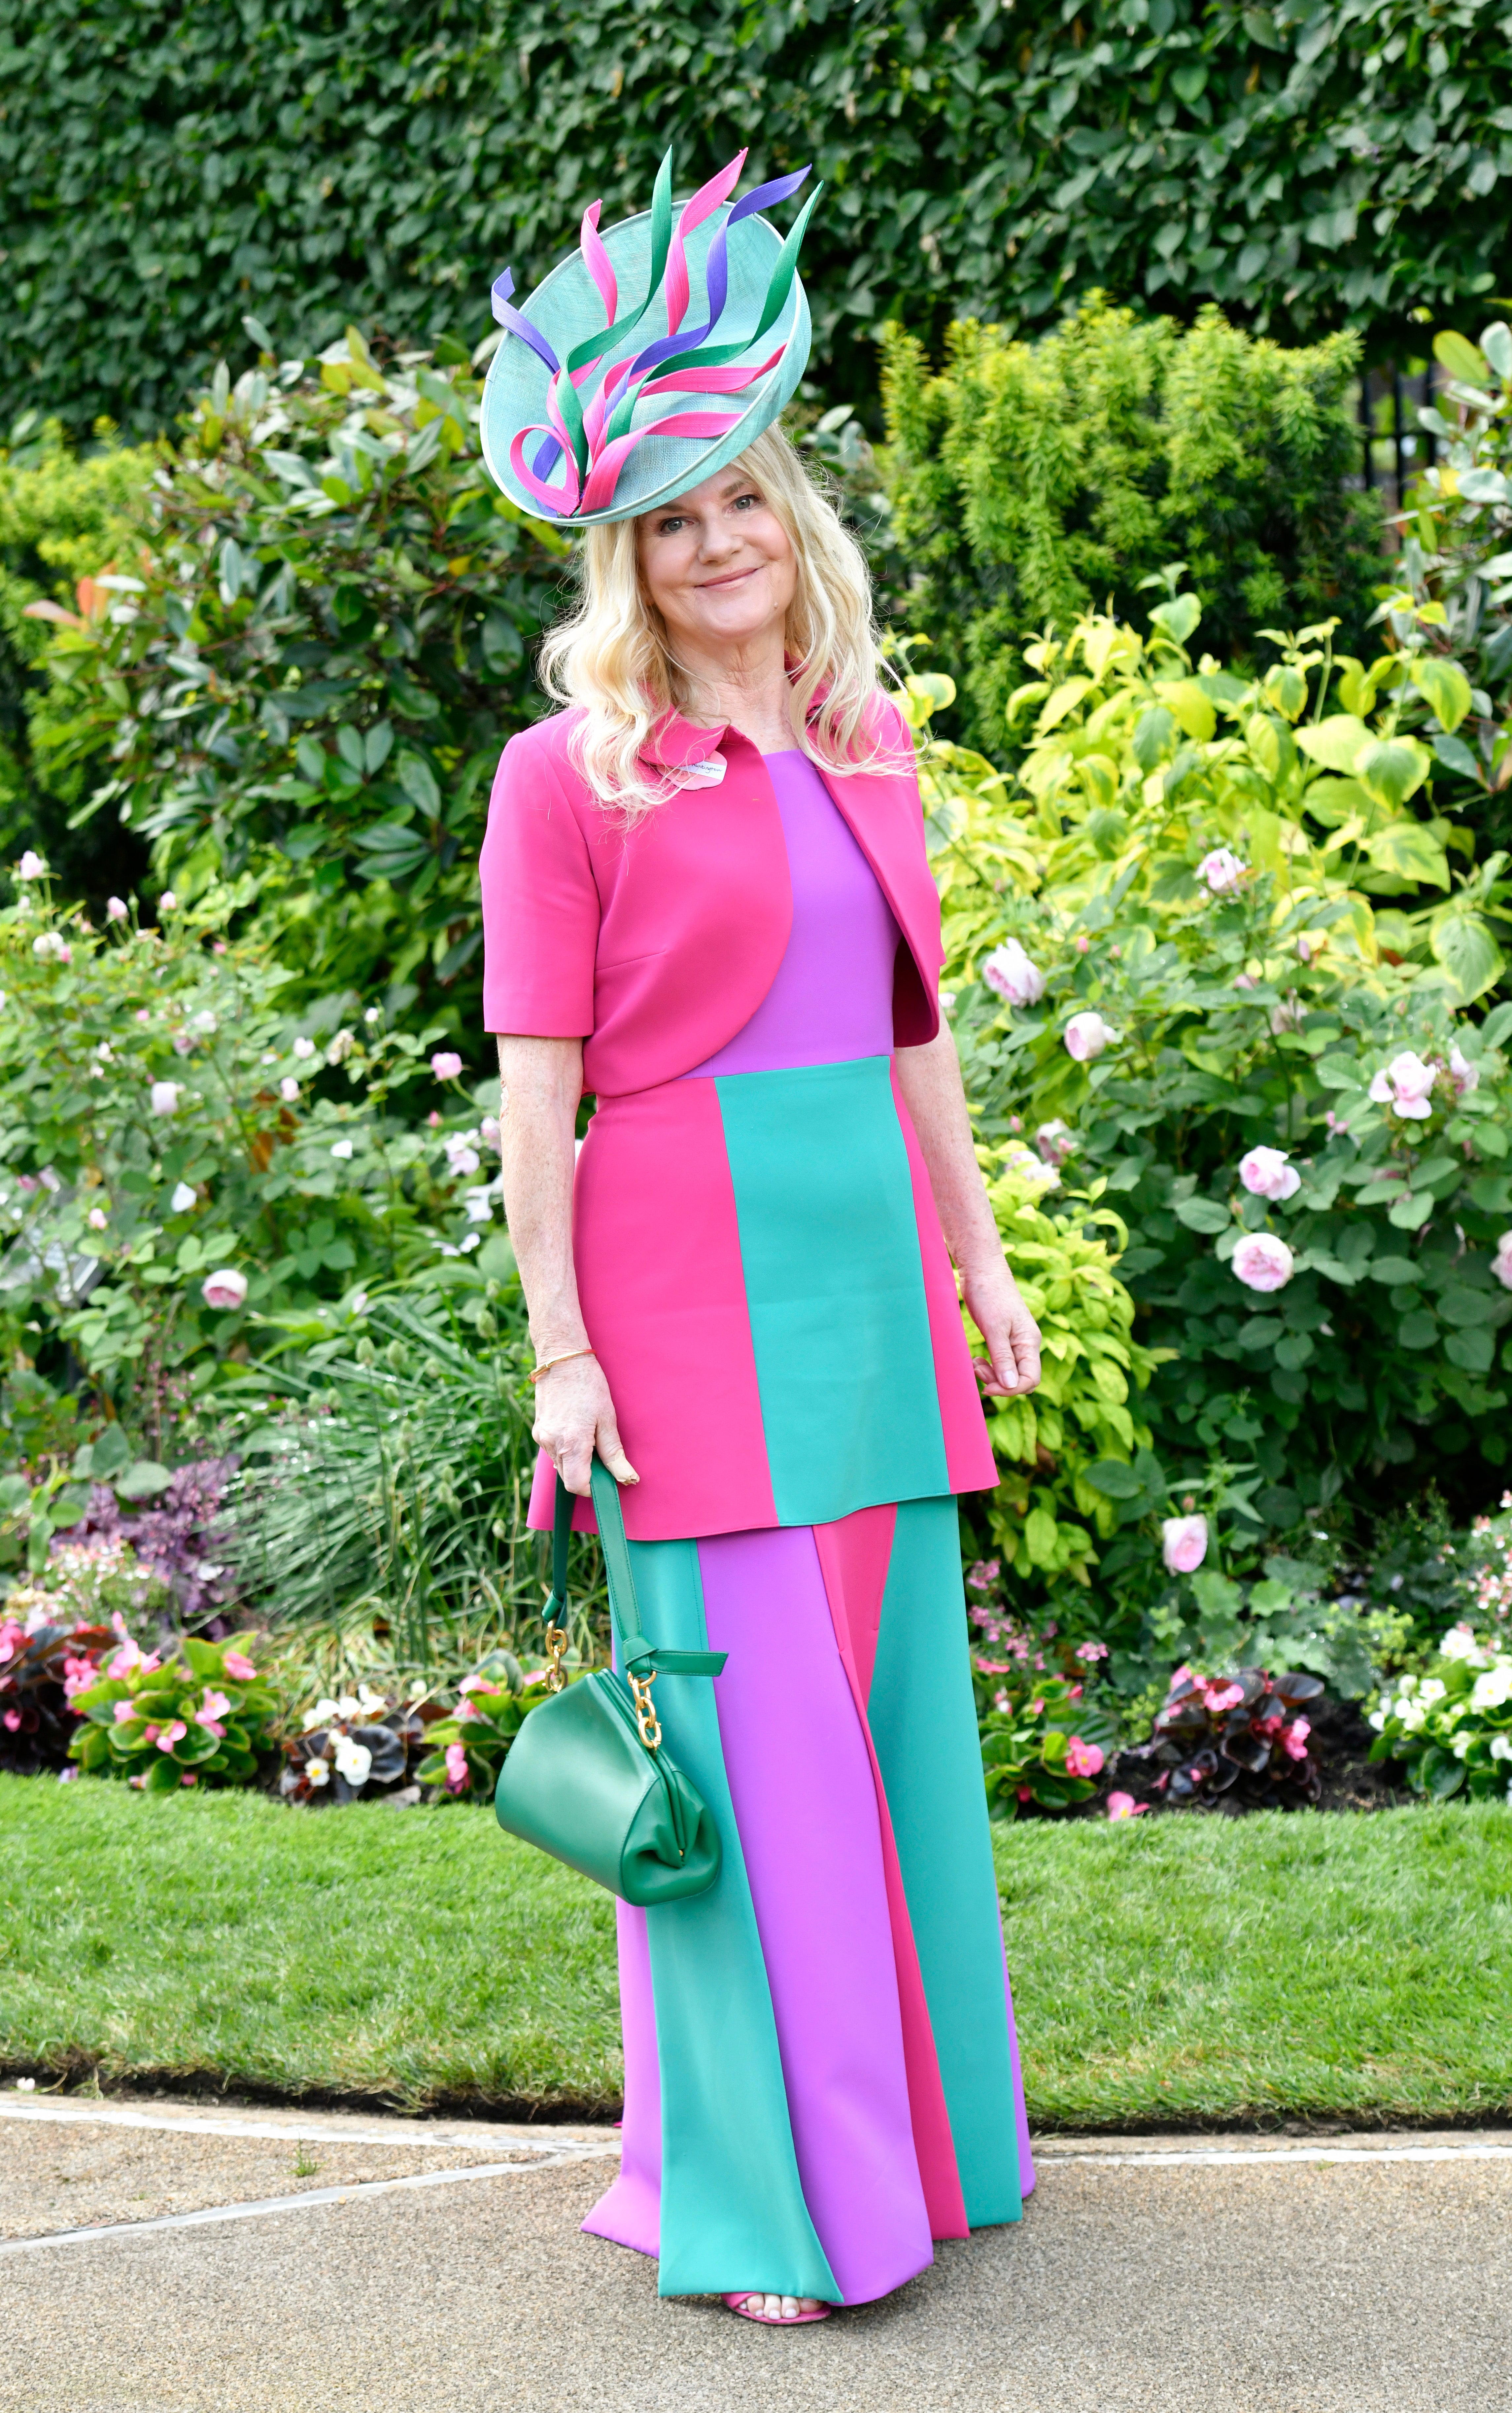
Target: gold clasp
x,y
648,1726
557,1643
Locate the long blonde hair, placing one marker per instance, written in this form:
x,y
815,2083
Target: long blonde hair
x,y
610,656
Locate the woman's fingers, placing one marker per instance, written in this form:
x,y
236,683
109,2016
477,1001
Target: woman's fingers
x,y
613,1456
575,1415
1023,1335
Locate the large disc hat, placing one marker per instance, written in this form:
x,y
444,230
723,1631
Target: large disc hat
x,y
652,357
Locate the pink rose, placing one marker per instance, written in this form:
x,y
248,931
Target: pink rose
x,y
1268,1172
1294,1738
1261,1262
117,910
1502,1262
1087,1035
1008,970
1407,1087
1124,1805
444,1065
225,1288
1082,1759
1222,871
1183,1543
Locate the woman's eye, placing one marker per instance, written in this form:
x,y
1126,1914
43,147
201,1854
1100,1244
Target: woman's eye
x,y
744,501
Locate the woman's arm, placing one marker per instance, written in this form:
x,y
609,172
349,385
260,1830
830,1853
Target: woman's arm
x,y
541,1084
930,1078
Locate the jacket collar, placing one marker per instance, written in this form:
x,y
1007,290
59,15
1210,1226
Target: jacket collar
x,y
673,742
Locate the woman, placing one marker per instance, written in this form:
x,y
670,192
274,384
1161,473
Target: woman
x,y
707,903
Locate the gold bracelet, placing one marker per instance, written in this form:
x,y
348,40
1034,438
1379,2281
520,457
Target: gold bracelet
x,y
547,1364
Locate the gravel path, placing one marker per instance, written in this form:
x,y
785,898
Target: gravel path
x,y
1274,2285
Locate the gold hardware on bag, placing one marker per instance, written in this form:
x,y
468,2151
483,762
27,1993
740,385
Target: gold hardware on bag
x,y
557,1643
648,1726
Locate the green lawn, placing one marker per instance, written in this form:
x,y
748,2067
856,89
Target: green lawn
x,y
1193,1969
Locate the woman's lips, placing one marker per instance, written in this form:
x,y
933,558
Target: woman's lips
x,y
735,579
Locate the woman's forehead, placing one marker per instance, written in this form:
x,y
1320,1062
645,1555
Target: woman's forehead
x,y
709,492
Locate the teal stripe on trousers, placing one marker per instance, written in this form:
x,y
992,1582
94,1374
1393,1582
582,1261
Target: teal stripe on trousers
x,y
923,1723
732,2212
834,1287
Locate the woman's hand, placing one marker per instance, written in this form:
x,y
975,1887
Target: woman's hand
x,y
574,1416
1010,1332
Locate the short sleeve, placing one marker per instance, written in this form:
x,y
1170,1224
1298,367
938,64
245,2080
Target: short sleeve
x,y
540,902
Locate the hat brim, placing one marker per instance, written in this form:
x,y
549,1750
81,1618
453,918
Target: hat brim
x,y
566,308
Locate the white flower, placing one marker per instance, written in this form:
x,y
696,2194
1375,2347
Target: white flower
x,y
1008,970
1376,1719
1502,1262
343,1148
1493,1690
1461,1745
98,1219
357,1304
52,948
371,1016
1268,1172
1429,1691
30,867
341,1048
289,1089
304,1048
1465,1075
225,1288
1183,1543
1261,1262
318,1770
490,1136
1087,1035
1221,870
479,1205
184,1198
1413,1718
207,1023
116,909
165,1096
1055,1141
1460,1643
320,1715
1501,1746
353,1760
50,1178
1027,1167
1290,1014
1407,1087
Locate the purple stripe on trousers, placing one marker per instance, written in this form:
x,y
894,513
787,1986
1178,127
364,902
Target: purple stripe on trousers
x,y
1021,2117
805,1804
631,2212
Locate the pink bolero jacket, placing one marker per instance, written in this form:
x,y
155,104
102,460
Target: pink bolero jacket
x,y
656,945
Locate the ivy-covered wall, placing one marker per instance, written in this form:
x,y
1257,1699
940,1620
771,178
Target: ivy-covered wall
x,y
166,168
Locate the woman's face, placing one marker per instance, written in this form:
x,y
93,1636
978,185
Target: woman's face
x,y
719,566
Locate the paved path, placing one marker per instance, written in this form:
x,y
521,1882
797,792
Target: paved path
x,y
1370,2274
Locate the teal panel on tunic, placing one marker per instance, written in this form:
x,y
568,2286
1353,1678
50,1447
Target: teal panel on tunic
x,y
732,2208
924,1725
834,1287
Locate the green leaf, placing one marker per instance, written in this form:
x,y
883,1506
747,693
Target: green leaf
x,y
1497,1025
1192,708
1114,1480
1419,1331
1474,1351
1393,1271
143,1481
1465,364
1463,946
1409,852
418,780
111,1452
1443,688
1410,1214
1336,742
1204,1214
1179,617
1392,769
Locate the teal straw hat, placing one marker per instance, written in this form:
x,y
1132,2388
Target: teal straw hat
x,y
595,411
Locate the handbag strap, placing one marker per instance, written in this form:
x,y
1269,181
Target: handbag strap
x,y
639,1657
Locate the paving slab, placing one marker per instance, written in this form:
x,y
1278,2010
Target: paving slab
x,y
1277,2276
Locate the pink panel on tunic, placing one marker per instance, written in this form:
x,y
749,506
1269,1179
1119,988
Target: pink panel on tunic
x,y
968,1453
854,1555
804,1795
631,2212
657,1246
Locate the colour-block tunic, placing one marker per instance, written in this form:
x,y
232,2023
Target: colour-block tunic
x,y
821,2071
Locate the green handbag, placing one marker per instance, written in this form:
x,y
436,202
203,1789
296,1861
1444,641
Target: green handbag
x,y
588,1778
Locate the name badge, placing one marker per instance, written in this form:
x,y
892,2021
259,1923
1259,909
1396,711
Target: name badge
x,y
703,774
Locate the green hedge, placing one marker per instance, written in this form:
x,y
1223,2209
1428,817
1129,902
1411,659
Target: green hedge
x,y
166,168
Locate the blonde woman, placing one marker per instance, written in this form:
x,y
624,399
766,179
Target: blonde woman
x,y
707,906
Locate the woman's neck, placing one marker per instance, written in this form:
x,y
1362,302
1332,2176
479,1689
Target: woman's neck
x,y
748,691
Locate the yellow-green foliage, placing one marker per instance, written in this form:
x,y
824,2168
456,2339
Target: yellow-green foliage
x,y
1081,1411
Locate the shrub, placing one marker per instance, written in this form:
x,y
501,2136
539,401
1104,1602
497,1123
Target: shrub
x,y
1030,482
161,1723
43,1669
356,1748
1452,1726
1041,1743
303,687
1244,1735
469,1748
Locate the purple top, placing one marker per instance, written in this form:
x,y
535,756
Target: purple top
x,y
832,1001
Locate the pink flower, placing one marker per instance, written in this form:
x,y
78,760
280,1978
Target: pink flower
x,y
1008,970
1243,980
1465,1075
224,1288
78,1675
98,1219
1222,871
1407,1087
236,1664
1261,1262
1183,1543
170,1736
1082,1759
211,1712
1268,1172
11,1720
1087,1035
1124,1805
30,867
490,1128
116,909
165,1097
444,1065
987,1570
289,1089
190,1776
1221,1697
66,1775
1091,1651
1294,1738
1502,1262
480,1684
1055,1141
150,1734
131,1658
457,1779
124,1712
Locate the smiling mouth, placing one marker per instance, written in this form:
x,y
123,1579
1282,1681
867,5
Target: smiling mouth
x,y
734,579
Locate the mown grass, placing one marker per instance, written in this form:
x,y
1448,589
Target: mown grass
x,y
1174,1969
